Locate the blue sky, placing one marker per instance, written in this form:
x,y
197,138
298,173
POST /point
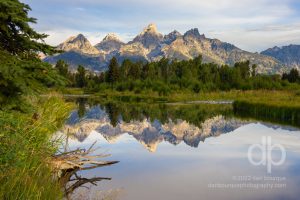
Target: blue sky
x,y
253,25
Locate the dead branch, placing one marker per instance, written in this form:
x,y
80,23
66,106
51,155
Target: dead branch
x,y
67,164
79,158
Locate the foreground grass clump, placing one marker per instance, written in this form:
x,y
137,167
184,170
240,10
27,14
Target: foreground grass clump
x,y
25,148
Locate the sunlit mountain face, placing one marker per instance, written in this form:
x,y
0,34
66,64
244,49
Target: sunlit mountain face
x,y
150,45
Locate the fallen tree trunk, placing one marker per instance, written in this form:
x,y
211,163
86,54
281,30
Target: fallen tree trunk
x,y
66,165
79,159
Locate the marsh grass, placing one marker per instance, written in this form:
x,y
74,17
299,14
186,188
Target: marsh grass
x,y
290,98
278,106
26,147
281,114
270,97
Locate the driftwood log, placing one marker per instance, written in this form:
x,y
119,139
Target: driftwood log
x,y
79,159
66,165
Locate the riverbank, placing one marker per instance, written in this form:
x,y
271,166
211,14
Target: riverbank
x,y
280,106
287,98
26,149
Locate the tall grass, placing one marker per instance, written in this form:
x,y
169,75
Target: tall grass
x,y
290,98
25,148
272,113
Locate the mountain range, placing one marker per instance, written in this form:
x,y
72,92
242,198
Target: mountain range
x,y
289,55
150,45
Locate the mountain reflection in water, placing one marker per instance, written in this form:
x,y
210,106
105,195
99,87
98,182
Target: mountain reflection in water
x,y
172,132
153,124
147,130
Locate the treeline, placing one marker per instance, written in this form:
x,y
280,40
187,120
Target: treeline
x,y
165,76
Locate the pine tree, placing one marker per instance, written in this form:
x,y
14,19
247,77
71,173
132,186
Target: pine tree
x,y
102,77
113,71
80,77
135,71
293,75
163,65
253,71
62,68
16,35
145,71
21,71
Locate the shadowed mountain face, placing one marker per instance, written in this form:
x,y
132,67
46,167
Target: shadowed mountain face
x,y
75,58
150,45
288,55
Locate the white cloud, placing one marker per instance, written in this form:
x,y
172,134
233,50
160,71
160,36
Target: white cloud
x,y
261,38
249,24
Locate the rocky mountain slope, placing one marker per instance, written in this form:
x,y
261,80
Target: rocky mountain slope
x,y
110,43
288,55
150,45
79,51
78,44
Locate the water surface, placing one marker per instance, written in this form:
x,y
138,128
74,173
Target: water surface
x,y
182,152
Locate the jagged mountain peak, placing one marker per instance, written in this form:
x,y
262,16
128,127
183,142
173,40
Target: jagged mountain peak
x,y
150,45
110,43
168,39
78,38
276,48
81,37
289,55
175,32
150,38
151,28
112,36
194,33
217,44
79,44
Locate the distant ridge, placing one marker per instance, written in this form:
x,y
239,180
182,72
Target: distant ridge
x,y
288,55
150,45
